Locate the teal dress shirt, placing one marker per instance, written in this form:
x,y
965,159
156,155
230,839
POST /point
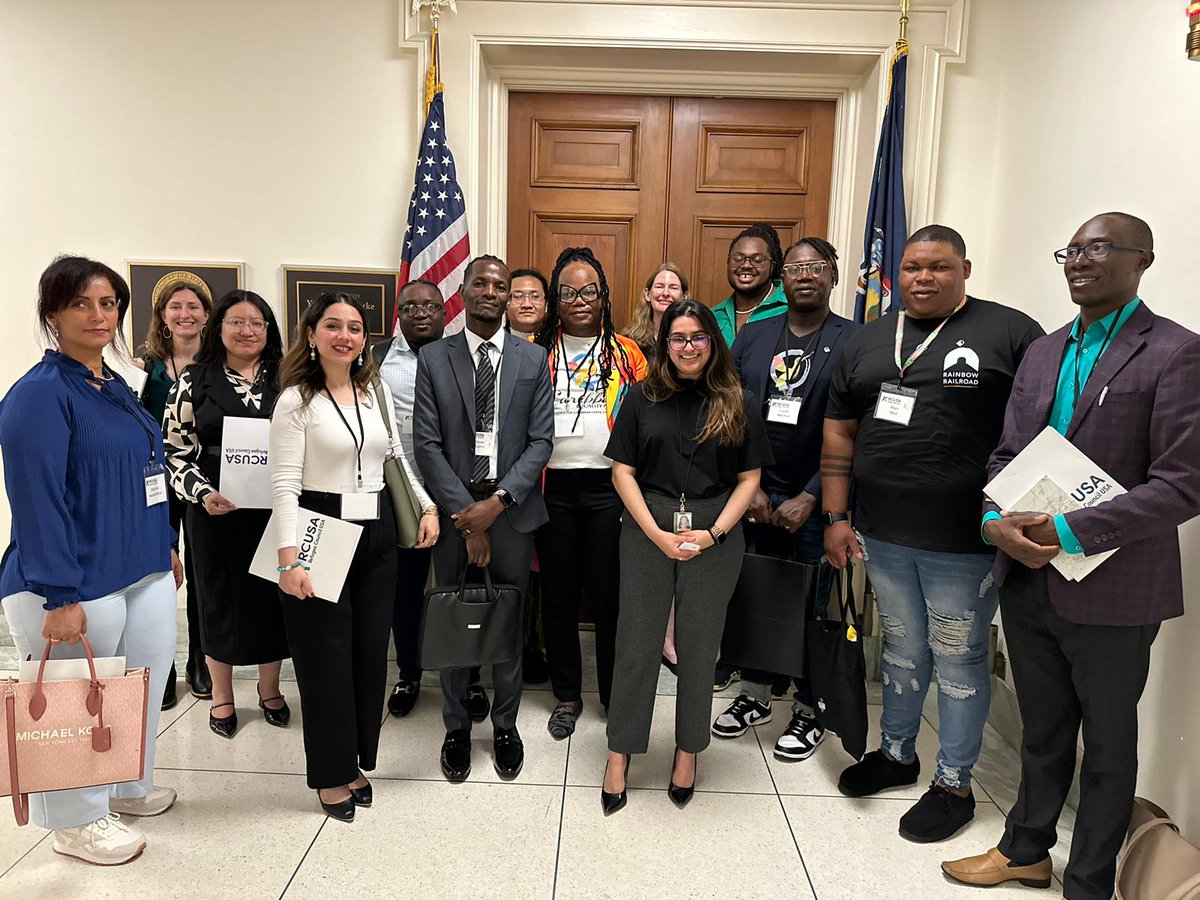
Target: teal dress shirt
x,y
774,304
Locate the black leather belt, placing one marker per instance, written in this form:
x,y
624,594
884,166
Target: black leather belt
x,y
484,488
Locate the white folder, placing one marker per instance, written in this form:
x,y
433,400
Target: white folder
x,y
323,542
245,475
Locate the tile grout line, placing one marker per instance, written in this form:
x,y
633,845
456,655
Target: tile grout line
x,y
21,859
562,814
307,850
195,700
783,809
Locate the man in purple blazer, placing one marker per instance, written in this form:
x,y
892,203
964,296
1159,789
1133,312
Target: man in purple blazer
x,y
1122,385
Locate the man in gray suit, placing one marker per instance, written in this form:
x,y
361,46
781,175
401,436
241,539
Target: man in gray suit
x,y
483,423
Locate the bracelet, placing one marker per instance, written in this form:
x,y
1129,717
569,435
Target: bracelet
x,y
431,511
296,565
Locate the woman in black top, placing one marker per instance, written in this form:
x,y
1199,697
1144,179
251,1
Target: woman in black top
x,y
241,619
687,450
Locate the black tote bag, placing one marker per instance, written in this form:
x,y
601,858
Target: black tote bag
x,y
768,613
471,624
837,671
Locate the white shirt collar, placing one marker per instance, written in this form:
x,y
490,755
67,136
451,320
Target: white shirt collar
x,y
474,342
399,345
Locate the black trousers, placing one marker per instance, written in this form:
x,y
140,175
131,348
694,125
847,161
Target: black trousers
x,y
406,616
578,547
1067,675
175,510
340,653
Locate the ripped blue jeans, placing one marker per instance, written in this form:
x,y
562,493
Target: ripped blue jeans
x,y
935,611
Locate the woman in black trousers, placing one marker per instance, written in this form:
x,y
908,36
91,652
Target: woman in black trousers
x,y
329,442
687,451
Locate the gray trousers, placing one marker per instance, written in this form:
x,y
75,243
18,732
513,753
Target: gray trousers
x,y
511,554
701,588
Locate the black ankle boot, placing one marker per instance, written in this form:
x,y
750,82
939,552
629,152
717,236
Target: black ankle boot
x,y
171,691
196,675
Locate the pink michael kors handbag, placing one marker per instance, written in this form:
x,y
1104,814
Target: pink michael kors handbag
x,y
59,735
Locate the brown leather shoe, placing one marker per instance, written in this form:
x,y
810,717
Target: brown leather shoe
x,y
992,868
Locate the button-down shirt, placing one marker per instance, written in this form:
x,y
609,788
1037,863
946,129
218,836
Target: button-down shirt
x,y
399,372
774,304
495,347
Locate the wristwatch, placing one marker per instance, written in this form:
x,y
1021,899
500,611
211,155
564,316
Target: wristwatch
x,y
504,497
717,534
831,518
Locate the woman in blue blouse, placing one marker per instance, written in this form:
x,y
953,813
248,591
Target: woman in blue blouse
x,y
91,549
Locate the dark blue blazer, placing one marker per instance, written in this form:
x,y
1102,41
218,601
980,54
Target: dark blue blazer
x,y
753,351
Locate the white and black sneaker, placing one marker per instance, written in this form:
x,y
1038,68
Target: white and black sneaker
x,y
800,739
741,714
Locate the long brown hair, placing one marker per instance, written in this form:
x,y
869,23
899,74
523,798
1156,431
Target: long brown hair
x,y
299,370
719,381
641,326
161,347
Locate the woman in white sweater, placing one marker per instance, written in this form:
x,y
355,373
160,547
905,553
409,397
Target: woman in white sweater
x,y
328,445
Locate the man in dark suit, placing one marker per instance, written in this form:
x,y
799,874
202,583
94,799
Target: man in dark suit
x,y
484,429
787,363
1120,383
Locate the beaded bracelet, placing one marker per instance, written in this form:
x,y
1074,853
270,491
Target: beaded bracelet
x,y
296,565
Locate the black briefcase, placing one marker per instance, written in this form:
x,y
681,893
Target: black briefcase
x,y
768,614
837,671
471,624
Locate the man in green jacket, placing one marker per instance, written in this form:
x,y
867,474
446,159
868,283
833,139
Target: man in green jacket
x,y
754,268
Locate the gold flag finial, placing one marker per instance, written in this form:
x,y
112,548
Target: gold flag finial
x,y
435,8
433,75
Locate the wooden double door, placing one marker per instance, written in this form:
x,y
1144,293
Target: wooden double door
x,y
642,179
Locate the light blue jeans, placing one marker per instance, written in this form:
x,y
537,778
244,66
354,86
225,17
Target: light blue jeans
x,y
138,623
935,611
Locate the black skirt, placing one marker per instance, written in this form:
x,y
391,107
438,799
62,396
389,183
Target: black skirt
x,y
241,619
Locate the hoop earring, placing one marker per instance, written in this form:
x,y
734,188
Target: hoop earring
x,y
165,332
312,352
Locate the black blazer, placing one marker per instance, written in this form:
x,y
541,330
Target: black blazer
x,y
379,350
753,351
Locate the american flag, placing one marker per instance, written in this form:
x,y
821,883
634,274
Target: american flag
x,y
436,244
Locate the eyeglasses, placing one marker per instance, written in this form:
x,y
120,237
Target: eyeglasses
x,y
757,260
1094,250
430,309
677,341
256,326
568,295
815,269
522,296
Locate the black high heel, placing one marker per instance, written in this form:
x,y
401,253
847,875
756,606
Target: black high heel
x,y
343,810
612,803
224,727
362,796
680,796
277,717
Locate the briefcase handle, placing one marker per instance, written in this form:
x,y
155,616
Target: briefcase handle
x,y
487,583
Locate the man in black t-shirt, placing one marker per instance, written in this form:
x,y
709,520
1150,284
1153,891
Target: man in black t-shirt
x,y
915,410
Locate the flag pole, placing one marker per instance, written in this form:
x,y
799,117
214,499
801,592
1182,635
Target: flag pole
x,y
903,24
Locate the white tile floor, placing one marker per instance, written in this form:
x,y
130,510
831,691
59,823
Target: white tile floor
x,y
246,825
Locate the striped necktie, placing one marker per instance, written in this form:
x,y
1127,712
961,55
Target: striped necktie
x,y
485,407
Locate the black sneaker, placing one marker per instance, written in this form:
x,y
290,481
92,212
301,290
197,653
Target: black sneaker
x,y
800,739
938,815
724,676
478,704
404,697
742,714
877,772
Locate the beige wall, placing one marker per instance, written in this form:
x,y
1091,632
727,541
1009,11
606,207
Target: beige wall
x,y
281,131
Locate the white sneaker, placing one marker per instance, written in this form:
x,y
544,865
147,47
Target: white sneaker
x,y
741,715
800,739
105,842
155,803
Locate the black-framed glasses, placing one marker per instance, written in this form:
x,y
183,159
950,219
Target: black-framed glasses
x,y
816,269
1094,250
589,292
699,341
430,309
737,260
522,296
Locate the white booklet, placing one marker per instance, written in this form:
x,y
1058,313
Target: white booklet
x,y
1053,476
245,476
323,542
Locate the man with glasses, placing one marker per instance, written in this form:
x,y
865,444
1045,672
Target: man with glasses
x,y
787,363
753,268
422,318
1120,383
526,310
916,407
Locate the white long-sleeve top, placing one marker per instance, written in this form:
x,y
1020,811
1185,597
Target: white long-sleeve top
x,y
312,450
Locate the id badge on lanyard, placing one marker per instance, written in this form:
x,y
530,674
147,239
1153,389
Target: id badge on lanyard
x,y
155,476
896,403
785,410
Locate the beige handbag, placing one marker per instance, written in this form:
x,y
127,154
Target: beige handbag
x,y
404,499
1157,862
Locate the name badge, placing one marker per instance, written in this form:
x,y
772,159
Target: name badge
x,y
360,507
683,521
156,484
785,410
485,443
406,424
564,422
895,403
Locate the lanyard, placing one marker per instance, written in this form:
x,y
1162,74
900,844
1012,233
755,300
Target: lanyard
x,y
358,444
1108,334
916,354
805,352
590,358
684,475
133,413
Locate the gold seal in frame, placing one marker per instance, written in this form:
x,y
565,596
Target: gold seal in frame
x,y
191,278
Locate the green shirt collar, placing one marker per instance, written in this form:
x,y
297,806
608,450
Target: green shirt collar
x,y
1110,324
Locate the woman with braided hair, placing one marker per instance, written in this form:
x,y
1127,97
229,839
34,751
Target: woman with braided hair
x,y
592,369
754,268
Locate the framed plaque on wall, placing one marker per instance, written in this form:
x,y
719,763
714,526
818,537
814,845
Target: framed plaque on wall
x,y
374,288
149,278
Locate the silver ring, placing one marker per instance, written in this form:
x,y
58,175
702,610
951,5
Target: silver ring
x,y
466,531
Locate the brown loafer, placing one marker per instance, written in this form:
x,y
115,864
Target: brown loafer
x,y
992,868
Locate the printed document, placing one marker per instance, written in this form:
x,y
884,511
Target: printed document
x,y
245,476
324,543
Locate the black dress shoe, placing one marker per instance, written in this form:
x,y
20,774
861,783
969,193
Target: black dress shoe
x,y
343,810
680,796
362,796
224,727
197,677
534,669
612,803
509,753
456,755
478,704
277,717
404,697
171,692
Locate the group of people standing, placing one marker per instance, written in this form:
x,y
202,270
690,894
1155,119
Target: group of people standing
x,y
634,470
